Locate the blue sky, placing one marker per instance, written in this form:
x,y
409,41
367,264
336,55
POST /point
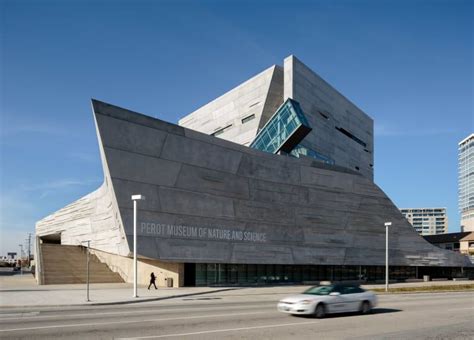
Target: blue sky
x,y
408,64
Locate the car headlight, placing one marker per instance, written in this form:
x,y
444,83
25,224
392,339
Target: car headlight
x,y
306,302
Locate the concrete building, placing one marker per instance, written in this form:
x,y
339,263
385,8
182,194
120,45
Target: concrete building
x,y
220,211
427,221
466,182
461,242
342,134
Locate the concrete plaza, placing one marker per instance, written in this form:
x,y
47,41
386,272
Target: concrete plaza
x,y
22,290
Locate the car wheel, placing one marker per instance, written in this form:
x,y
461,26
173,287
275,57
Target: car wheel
x,y
320,311
365,307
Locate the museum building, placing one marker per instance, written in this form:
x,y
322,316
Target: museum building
x,y
270,183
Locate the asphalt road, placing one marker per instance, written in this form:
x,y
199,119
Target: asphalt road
x,y
409,316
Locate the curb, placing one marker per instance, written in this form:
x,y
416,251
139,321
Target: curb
x,y
126,302
426,291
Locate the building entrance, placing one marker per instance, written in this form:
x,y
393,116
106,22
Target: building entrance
x,y
190,274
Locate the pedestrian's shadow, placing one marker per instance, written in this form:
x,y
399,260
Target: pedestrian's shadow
x,y
167,297
384,310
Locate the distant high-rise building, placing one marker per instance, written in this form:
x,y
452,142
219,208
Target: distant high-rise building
x,y
466,182
427,221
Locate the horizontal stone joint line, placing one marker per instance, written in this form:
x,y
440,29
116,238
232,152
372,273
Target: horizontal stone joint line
x,y
133,121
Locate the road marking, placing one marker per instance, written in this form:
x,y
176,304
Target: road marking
x,y
36,316
220,330
469,308
16,315
129,322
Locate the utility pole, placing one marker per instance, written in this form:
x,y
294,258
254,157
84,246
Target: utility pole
x,y
21,251
21,258
29,249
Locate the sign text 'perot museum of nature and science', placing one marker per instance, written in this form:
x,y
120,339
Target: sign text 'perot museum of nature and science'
x,y
208,233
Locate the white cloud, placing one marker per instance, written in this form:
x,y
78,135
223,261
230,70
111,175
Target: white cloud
x,y
17,219
12,129
11,239
392,130
44,189
60,184
91,157
21,208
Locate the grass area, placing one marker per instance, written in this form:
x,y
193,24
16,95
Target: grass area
x,y
469,286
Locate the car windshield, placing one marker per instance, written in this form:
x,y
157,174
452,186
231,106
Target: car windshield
x,y
320,290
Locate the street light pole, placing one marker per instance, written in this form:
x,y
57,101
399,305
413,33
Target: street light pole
x,y
135,198
88,246
29,250
87,268
387,224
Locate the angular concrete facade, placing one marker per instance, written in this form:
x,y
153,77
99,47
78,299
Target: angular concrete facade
x,y
330,114
307,212
209,200
341,131
255,101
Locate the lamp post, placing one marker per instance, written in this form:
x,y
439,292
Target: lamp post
x,y
87,268
29,250
387,224
135,198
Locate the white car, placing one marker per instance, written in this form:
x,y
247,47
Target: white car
x,y
333,298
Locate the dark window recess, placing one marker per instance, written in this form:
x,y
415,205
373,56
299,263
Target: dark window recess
x,y
357,168
366,150
371,165
323,115
247,119
221,131
351,136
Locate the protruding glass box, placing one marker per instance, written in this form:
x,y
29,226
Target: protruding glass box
x,y
285,129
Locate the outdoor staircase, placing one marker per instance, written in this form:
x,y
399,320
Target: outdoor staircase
x,y
67,264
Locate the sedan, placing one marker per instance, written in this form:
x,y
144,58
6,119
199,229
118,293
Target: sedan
x,y
333,298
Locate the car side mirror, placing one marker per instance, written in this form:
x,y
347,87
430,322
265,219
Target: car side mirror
x,y
334,294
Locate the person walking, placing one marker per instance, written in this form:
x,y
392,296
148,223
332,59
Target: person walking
x,y
152,281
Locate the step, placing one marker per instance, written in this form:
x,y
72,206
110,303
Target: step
x,y
67,264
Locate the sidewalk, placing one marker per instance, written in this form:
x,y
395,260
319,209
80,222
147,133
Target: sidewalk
x,y
22,290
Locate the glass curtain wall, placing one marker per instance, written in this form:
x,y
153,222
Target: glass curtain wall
x,y
301,150
209,274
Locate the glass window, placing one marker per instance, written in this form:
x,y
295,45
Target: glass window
x,y
351,136
320,290
287,127
304,151
351,290
221,131
248,119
